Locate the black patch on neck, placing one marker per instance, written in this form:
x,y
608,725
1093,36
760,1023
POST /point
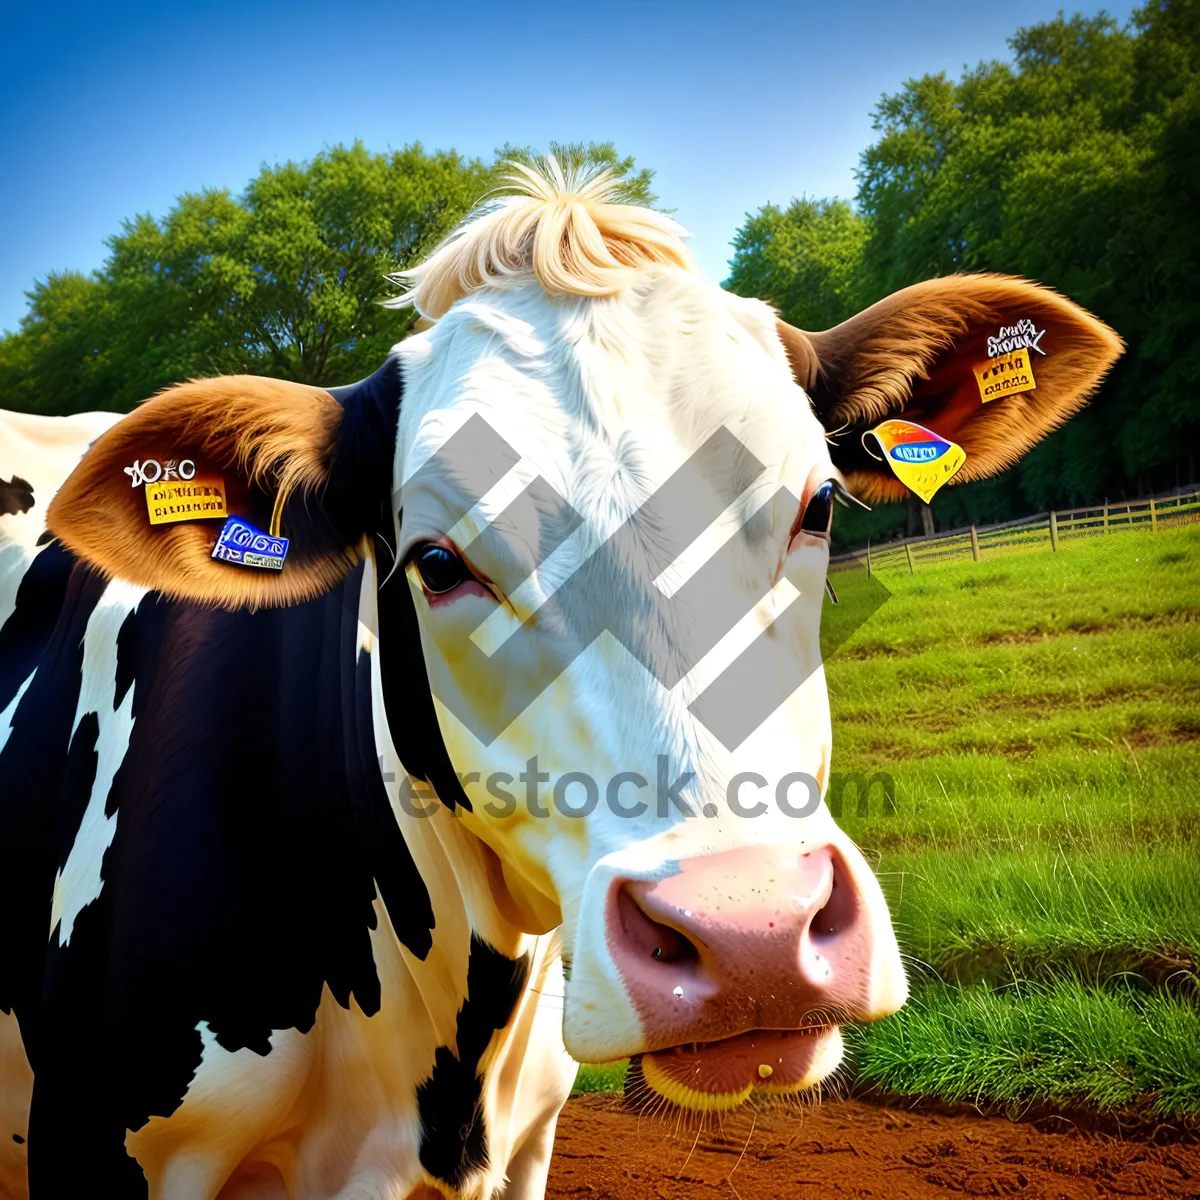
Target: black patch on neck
x,y
253,831
33,768
407,699
391,865
137,648
360,495
450,1101
138,662
359,491
78,779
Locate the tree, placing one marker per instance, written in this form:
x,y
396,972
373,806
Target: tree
x,y
1074,164
806,259
284,280
60,361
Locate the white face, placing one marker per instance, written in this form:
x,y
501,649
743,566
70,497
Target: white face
x,y
709,928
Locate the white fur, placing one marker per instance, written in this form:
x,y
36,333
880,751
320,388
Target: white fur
x,y
79,882
43,451
7,715
605,398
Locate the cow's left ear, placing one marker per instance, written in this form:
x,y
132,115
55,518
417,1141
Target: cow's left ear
x,y
928,354
317,462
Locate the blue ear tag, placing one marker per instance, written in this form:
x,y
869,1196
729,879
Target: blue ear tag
x,y
240,542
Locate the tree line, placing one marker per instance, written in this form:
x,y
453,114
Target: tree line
x,y
284,280
1077,163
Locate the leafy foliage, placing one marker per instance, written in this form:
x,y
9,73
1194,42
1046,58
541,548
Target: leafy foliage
x,y
806,259
1076,165
284,280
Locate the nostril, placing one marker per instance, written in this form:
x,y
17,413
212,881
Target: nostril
x,y
839,911
650,939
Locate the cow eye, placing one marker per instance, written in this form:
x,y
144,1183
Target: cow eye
x,y
441,570
818,512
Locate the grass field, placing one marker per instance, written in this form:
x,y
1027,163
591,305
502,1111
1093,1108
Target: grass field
x,y
1040,714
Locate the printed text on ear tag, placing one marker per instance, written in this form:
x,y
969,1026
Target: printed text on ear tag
x,y
195,499
1009,368
242,543
922,460
1005,376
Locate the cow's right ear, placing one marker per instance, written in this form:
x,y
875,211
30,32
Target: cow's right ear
x,y
923,355
319,460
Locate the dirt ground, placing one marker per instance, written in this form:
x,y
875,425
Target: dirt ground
x,y
603,1151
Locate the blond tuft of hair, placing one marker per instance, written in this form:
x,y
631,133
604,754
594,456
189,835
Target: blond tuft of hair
x,y
565,227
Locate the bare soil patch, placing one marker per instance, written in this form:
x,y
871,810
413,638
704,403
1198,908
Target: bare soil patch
x,y
604,1151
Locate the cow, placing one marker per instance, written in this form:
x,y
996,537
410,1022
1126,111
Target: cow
x,y
46,449
291,907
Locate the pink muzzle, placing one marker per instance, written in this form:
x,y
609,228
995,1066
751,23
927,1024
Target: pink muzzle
x,y
757,938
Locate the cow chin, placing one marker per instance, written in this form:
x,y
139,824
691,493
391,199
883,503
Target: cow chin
x,y
716,1077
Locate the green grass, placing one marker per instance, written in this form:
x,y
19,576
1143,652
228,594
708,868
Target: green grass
x,y
1064,1045
1096,647
1122,580
601,1077
999,916
1079,796
1040,714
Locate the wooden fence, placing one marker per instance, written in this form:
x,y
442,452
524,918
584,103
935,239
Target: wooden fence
x,y
1046,531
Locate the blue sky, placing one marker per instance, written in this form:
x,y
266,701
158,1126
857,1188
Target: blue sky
x,y
113,108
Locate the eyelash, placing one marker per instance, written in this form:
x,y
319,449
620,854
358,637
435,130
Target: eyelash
x,y
817,517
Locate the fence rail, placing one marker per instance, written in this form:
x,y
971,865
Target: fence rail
x,y
1045,531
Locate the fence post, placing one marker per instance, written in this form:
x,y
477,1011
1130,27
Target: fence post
x,y
1153,517
868,558
1105,516
908,551
974,543
1053,531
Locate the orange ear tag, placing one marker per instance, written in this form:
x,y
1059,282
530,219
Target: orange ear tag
x,y
922,460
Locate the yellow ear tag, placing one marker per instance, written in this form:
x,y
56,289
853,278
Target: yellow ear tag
x,y
195,499
1009,368
922,460
1006,375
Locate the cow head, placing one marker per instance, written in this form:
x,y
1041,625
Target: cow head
x,y
610,486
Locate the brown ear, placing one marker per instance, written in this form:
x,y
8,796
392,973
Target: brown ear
x,y
263,438
914,354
